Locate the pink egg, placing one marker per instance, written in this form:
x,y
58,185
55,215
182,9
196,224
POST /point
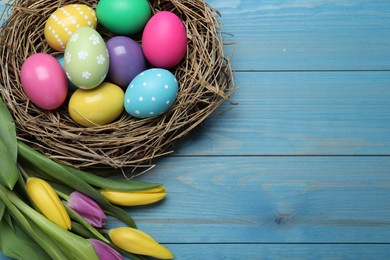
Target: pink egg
x,y
164,40
44,81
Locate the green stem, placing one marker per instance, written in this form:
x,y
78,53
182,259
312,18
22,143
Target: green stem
x,y
23,172
110,183
62,195
79,229
49,247
71,244
63,175
75,216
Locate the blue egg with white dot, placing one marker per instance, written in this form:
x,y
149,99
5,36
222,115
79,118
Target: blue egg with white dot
x,y
71,87
151,93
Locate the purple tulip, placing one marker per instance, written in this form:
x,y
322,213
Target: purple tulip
x,y
104,251
87,208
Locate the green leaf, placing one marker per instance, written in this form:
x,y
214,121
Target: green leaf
x,y
32,171
8,218
8,131
58,250
110,183
61,174
73,215
8,148
71,246
35,233
9,173
2,209
80,230
15,243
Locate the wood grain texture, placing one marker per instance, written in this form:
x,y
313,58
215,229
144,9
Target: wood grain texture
x,y
299,167
299,113
291,199
280,251
307,34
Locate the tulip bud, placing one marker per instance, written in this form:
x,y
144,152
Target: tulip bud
x,y
138,242
134,198
47,202
104,251
87,208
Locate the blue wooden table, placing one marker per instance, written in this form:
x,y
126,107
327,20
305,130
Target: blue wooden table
x,y
299,168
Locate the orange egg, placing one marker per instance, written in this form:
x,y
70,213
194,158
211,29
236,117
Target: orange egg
x,y
64,21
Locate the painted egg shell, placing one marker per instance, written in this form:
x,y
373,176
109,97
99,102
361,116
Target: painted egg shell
x,y
98,106
71,86
151,93
123,17
44,81
86,58
126,60
66,20
164,40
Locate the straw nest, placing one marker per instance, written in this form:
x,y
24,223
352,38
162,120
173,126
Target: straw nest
x,y
204,83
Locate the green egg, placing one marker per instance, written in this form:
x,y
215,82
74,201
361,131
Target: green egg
x,y
123,17
86,58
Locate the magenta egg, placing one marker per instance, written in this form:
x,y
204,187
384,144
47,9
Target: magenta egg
x,y
44,81
126,60
164,40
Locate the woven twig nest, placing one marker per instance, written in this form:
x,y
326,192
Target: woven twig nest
x,y
204,83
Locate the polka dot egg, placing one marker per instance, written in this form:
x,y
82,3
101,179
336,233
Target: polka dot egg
x,y
86,58
65,21
151,93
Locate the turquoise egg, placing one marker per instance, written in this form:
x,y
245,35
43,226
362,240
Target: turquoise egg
x,y
71,87
151,93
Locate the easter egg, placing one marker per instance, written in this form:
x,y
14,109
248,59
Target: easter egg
x,y
71,86
123,17
86,58
126,60
164,40
44,81
98,106
151,93
66,20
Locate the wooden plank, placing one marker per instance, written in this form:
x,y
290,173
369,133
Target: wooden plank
x,y
284,251
293,113
307,35
277,251
290,199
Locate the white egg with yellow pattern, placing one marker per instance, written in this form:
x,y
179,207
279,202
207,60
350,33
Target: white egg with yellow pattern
x,y
65,21
151,93
86,58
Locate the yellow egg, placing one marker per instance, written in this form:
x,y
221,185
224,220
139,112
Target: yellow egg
x,y
64,21
98,106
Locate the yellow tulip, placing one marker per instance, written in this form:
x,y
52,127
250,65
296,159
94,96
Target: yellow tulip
x,y
138,242
134,198
47,202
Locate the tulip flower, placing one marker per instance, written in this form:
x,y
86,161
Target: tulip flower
x,y
138,242
104,251
54,239
47,202
87,208
134,198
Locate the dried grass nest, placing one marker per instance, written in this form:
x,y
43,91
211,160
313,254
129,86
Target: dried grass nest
x,y
205,81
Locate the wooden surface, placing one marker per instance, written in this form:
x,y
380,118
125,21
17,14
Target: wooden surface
x,y
299,168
